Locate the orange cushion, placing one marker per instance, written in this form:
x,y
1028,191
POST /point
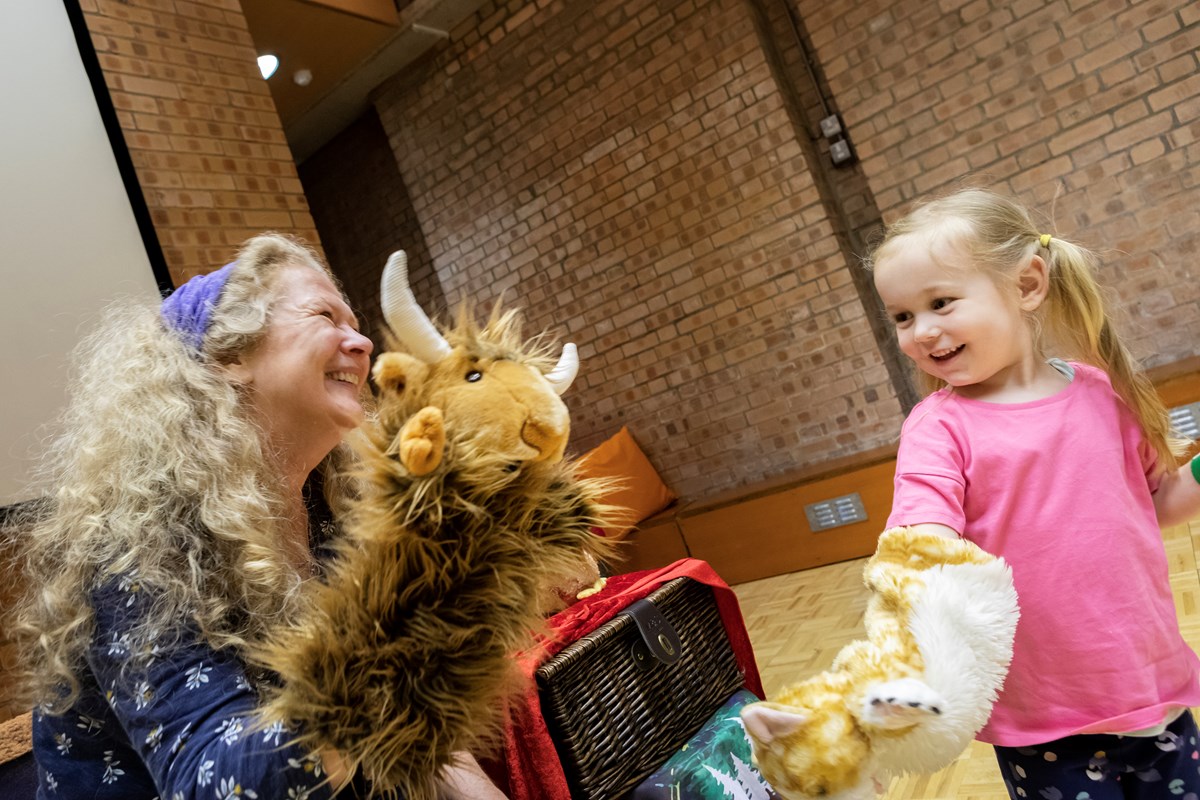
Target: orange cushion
x,y
641,492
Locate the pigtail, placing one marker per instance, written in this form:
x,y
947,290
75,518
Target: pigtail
x,y
1077,314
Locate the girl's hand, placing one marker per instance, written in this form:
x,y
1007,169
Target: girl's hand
x,y
1177,499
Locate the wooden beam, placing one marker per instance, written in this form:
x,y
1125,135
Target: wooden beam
x,y
382,11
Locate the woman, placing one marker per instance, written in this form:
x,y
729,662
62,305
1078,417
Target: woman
x,y
190,494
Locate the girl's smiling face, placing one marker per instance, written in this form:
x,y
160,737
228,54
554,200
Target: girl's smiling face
x,y
952,319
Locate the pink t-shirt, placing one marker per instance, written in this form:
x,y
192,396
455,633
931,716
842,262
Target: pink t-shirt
x,y
1061,488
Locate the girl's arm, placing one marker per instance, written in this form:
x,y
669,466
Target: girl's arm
x,y
1177,499
936,528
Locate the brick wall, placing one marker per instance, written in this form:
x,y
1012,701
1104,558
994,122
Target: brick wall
x,y
200,126
362,207
630,171
844,188
643,176
1087,110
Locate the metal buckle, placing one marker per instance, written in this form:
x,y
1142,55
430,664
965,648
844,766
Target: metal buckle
x,y
659,638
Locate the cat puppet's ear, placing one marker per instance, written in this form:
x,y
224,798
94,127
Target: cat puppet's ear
x,y
766,722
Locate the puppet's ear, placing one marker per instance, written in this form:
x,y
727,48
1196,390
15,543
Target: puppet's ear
x,y
395,372
766,722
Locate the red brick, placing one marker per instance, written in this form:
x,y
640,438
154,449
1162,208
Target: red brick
x,y
172,69
1132,134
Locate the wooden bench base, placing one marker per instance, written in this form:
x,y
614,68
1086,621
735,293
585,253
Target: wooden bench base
x,y
755,532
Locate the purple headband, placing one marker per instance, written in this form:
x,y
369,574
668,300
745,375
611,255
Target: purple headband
x,y
188,310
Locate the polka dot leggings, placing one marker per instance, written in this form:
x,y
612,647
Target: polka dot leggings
x,y
1107,767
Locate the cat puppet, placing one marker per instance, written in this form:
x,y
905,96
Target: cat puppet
x,y
470,519
940,623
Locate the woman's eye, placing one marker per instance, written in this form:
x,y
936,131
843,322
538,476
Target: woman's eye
x,y
474,375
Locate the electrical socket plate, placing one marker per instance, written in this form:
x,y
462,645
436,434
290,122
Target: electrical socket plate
x,y
840,152
831,126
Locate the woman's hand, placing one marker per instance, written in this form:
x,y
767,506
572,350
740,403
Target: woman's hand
x,y
336,767
465,780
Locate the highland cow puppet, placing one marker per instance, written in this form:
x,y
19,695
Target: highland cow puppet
x,y
195,466
469,519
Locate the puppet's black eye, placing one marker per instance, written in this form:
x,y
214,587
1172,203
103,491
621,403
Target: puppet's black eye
x,y
474,375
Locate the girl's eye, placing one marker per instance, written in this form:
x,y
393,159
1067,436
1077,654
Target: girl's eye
x,y
474,375
901,318
940,303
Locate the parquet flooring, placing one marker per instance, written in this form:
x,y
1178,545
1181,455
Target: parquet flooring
x,y
798,622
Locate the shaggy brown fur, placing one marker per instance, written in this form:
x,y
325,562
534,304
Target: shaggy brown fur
x,y
406,652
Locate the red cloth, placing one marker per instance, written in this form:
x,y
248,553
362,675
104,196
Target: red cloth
x,y
527,767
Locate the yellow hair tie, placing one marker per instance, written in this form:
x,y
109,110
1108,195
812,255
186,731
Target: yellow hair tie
x,y
1045,239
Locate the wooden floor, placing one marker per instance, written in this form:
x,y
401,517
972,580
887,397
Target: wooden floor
x,y
798,622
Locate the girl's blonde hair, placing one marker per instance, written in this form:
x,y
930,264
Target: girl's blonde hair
x,y
159,474
998,235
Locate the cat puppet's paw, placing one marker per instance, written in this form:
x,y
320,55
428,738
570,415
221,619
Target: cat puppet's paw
x,y
900,704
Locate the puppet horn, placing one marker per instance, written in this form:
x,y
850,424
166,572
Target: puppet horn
x,y
406,319
565,370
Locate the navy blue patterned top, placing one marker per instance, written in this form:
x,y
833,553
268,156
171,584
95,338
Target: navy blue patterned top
x,y
179,729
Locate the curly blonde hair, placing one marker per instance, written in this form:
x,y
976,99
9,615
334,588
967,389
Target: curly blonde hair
x,y
998,235
159,475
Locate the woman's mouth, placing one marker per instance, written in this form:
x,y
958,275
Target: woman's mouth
x,y
344,377
946,354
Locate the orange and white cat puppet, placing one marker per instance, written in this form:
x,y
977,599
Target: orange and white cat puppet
x,y
910,698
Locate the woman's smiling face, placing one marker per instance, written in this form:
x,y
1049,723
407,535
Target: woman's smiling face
x,y
307,373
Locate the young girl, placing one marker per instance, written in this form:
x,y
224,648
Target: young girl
x,y
1068,471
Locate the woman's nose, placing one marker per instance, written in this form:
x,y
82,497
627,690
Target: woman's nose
x,y
356,342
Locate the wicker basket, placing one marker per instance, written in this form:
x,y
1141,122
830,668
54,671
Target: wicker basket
x,y
616,713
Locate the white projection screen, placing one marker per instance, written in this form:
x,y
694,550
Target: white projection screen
x,y
70,241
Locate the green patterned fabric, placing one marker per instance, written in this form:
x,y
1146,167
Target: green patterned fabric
x,y
713,765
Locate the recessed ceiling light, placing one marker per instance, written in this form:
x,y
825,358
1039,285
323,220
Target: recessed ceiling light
x,y
267,65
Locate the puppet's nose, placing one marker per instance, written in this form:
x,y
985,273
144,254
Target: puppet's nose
x,y
547,434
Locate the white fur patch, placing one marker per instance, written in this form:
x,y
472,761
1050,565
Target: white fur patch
x,y
964,622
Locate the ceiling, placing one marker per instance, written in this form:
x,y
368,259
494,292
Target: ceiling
x,y
349,47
